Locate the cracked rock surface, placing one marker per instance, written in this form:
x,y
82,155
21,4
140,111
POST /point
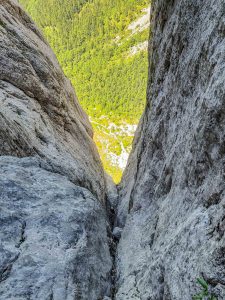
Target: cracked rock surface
x,y
53,239
172,196
54,242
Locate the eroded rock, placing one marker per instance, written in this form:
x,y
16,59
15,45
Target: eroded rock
x,y
53,239
173,190
39,112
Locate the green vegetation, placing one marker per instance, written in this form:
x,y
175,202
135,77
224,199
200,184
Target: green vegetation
x,y
204,294
2,24
92,41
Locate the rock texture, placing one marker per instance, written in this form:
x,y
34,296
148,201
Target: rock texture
x,y
55,232
57,206
39,112
53,239
173,190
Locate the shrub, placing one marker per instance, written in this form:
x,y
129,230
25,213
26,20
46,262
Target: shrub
x,y
204,294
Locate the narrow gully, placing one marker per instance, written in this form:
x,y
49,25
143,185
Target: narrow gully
x,y
111,209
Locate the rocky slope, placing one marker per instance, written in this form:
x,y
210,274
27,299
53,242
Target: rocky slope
x,y
172,193
54,240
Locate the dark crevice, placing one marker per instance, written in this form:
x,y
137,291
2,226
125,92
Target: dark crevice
x,y
152,240
51,296
136,285
111,210
6,270
22,236
214,199
113,249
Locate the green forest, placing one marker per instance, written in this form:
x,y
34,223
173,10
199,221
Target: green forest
x,y
105,58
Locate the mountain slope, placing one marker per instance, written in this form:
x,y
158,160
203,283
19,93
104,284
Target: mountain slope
x,y
99,44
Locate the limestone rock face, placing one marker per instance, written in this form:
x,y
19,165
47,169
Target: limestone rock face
x,y
55,232
53,239
39,111
173,190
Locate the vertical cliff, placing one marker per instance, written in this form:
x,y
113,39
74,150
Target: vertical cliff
x,y
40,114
54,240
173,190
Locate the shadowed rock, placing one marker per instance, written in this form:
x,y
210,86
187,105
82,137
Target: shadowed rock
x,y
53,238
173,190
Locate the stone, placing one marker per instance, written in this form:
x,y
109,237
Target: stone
x,y
39,111
117,232
60,216
172,195
53,239
112,193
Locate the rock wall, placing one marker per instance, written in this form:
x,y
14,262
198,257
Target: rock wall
x,y
172,196
39,113
53,239
55,232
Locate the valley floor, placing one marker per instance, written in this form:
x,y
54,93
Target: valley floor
x,y
114,142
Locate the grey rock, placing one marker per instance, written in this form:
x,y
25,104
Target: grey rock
x,y
172,196
117,232
39,111
53,240
112,192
